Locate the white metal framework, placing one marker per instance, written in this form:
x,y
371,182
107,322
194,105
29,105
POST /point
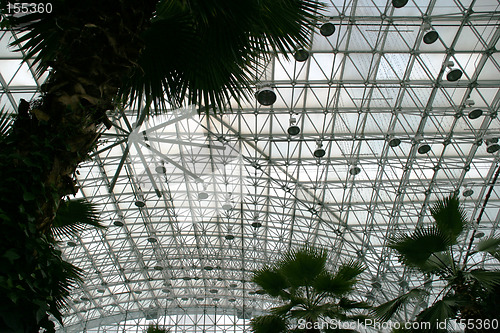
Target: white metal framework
x,y
195,203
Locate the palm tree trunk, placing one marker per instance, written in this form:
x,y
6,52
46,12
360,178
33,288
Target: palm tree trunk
x,y
99,43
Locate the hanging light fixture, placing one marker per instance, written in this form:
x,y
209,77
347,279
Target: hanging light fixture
x,y
202,195
140,203
479,234
424,148
492,145
430,35
161,168
393,141
474,114
399,3
266,96
319,152
354,170
454,74
301,55
467,192
293,129
327,29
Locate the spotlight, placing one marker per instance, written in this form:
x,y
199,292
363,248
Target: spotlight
x,y
476,113
327,29
454,74
492,146
399,3
468,192
355,170
319,152
301,55
424,148
266,96
161,169
293,129
394,142
430,37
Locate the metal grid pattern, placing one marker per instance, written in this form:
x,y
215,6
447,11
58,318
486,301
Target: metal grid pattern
x,y
195,203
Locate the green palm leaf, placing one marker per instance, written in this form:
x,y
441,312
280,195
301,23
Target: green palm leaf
x,y
450,217
190,53
488,279
6,120
333,284
386,310
438,262
271,281
346,303
74,216
268,324
301,267
415,249
438,313
490,245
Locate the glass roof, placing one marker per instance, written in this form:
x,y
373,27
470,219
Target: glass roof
x,y
195,203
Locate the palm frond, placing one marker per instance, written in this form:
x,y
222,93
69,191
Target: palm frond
x,y
450,217
350,270
190,53
283,309
348,304
74,216
6,121
488,279
333,284
437,262
439,312
415,249
386,310
302,266
271,281
268,324
490,245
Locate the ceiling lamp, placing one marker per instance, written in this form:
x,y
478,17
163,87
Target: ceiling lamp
x,y
479,234
474,114
399,3
301,55
454,74
266,96
327,29
140,203
355,170
293,129
468,192
161,169
203,194
424,148
229,237
393,141
118,223
256,225
319,152
430,35
492,145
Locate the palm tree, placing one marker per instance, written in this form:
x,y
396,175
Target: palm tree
x,y
310,293
433,251
156,329
104,55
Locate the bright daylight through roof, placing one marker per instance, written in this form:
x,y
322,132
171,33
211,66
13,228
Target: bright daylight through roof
x,y
345,144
